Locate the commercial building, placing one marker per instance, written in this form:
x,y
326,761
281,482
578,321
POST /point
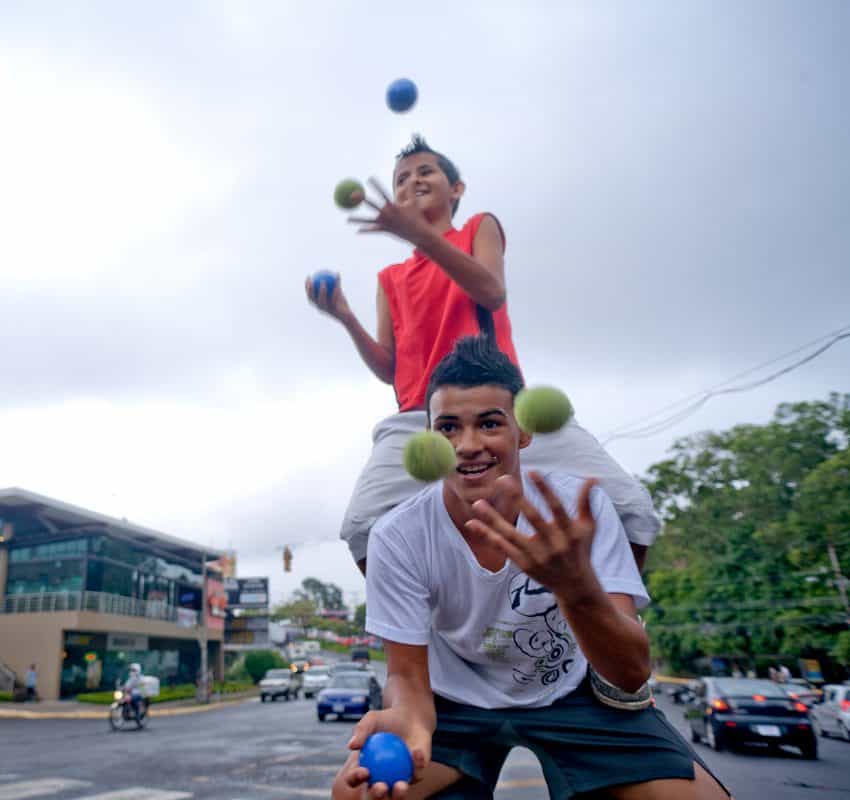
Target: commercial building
x,y
83,595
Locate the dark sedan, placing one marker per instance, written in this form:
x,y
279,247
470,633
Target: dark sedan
x,y
349,694
727,712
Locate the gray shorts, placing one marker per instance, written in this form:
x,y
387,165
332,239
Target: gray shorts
x,y
384,483
582,745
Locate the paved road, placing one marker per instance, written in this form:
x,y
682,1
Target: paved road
x,y
277,751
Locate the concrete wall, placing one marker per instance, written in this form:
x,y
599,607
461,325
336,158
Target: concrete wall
x,y
37,639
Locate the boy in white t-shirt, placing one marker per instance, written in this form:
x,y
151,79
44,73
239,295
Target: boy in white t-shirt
x,y
494,591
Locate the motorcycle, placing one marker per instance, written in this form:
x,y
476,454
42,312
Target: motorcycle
x,y
123,712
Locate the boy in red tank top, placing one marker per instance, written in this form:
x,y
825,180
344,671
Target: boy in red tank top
x,y
453,285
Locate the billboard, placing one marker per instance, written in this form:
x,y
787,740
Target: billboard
x,y
247,592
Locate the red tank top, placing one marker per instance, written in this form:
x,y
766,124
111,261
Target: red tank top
x,y
430,312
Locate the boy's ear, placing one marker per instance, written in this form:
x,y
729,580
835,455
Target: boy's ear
x,y
524,439
458,189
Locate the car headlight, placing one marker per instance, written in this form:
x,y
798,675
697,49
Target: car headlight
x,y
117,695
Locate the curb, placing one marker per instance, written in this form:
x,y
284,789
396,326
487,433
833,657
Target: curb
x,y
154,713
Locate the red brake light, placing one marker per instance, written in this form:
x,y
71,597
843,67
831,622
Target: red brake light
x,y
845,705
759,698
720,705
801,707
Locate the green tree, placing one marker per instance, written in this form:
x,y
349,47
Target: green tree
x,y
324,595
257,662
360,616
300,611
740,568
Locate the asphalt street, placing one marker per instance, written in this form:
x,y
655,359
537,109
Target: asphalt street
x,y
255,751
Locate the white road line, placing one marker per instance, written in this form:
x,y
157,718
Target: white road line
x,y
139,793
39,788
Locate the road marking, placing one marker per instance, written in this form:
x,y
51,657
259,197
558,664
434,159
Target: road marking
x,y
39,788
138,793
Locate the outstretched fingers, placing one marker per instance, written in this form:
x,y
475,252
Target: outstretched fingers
x,y
376,185
498,531
552,500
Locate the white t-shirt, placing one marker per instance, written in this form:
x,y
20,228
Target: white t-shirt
x,y
495,639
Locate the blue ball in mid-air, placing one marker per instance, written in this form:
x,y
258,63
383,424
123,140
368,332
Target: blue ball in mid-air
x,y
387,758
401,95
326,278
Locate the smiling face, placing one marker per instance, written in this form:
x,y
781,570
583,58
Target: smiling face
x,y
420,178
479,422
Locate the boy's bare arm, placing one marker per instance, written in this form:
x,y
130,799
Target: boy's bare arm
x,y
482,274
558,557
378,354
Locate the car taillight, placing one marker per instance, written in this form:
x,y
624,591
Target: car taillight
x,y
801,707
720,705
845,705
759,698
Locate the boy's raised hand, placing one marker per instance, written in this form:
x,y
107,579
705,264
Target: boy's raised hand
x,y
557,556
351,781
336,305
405,220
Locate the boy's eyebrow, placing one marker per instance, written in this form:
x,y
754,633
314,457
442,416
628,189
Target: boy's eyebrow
x,y
481,415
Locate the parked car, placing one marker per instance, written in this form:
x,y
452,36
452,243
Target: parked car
x,y
349,694
831,716
280,683
727,712
315,680
800,689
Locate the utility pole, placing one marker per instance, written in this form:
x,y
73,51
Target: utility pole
x,y
203,684
840,581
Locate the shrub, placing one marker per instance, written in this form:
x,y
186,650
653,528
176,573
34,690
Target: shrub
x,y
258,662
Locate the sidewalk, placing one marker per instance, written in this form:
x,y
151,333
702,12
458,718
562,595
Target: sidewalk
x,y
71,709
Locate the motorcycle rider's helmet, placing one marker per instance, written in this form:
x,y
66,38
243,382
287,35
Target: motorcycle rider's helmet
x,y
135,667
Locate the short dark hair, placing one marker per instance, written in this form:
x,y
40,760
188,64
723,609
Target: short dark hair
x,y
474,361
418,144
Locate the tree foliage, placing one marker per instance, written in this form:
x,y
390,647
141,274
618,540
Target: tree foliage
x,y
257,662
742,567
325,595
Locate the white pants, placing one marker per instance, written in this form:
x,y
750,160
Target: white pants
x,y
384,482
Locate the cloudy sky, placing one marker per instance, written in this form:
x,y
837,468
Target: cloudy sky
x,y
673,179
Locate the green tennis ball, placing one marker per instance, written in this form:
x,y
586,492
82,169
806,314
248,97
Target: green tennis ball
x,y
429,456
349,193
543,409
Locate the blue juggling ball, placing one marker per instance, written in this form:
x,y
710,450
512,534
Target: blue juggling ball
x,y
387,758
326,278
401,95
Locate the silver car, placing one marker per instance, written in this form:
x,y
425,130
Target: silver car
x,y
315,679
831,715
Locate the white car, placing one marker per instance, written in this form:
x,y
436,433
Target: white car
x,y
831,716
315,679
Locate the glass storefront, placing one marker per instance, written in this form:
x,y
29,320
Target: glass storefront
x,y
102,564
95,661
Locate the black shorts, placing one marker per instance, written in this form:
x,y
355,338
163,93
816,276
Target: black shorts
x,y
582,745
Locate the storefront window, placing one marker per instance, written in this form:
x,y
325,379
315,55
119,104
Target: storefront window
x,y
53,576
65,549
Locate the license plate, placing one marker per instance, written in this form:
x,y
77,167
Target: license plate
x,y
767,730
340,707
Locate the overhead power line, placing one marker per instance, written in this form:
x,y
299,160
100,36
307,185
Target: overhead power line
x,y
629,431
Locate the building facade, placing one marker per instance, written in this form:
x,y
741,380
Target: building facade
x,y
83,595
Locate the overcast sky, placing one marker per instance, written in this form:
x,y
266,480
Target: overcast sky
x,y
673,179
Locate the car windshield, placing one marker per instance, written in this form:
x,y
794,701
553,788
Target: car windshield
x,y
350,680
737,687
318,672
277,673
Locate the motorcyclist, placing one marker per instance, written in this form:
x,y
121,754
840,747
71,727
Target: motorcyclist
x,y
133,685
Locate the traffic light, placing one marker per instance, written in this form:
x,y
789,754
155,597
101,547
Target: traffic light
x,y
287,559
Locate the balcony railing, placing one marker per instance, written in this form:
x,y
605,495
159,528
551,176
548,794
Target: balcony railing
x,y
99,602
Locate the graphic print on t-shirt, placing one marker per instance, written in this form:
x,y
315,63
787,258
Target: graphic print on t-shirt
x,y
542,634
